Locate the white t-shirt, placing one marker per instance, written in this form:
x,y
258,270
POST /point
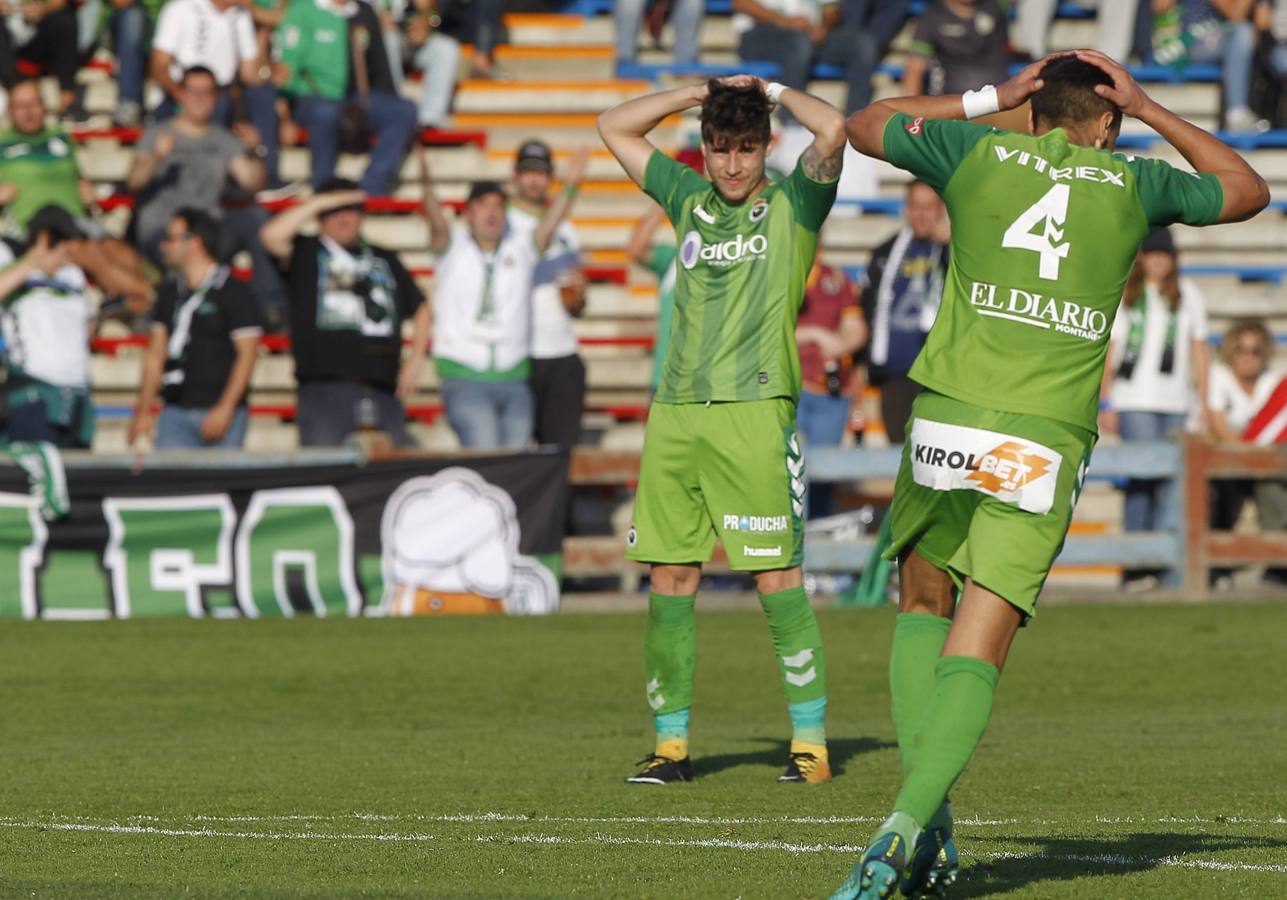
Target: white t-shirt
x,y
810,9
44,329
488,331
1149,389
1228,398
552,334
195,33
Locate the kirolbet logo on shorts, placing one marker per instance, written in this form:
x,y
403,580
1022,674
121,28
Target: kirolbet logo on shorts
x,y
1012,469
756,524
723,253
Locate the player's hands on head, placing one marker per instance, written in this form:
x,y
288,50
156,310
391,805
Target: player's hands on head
x,y
742,81
1125,92
1014,92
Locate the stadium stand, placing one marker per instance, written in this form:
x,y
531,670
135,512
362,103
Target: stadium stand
x,y
562,73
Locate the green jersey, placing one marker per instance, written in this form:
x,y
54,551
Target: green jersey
x,y
1044,234
739,283
314,44
43,165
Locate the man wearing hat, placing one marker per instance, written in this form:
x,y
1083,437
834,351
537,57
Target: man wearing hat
x,y
47,321
348,302
558,296
483,313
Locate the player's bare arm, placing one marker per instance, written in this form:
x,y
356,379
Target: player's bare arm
x,y
625,127
1245,192
866,128
823,158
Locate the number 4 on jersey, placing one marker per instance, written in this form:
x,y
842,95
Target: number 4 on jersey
x,y
1049,212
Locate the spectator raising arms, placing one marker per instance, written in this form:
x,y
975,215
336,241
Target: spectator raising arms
x,y
483,313
191,161
1156,376
337,69
204,342
348,303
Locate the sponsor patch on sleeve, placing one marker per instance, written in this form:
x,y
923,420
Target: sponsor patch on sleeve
x,y
915,126
1012,469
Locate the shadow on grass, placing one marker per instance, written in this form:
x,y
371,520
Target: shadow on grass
x,y
776,751
1066,858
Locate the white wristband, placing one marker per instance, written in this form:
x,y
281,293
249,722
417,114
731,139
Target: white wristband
x,y
982,102
774,91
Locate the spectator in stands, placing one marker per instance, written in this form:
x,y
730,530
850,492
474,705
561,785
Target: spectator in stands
x,y
218,35
43,32
1242,381
1208,31
660,260
483,314
628,15
1156,377
204,342
338,71
38,168
558,296
1116,27
349,301
958,45
829,331
796,34
900,300
47,323
190,161
434,32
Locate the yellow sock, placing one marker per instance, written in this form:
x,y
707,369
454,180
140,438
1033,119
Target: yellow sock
x,y
818,750
672,748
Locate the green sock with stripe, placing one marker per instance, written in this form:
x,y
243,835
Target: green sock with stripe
x,y
670,658
797,642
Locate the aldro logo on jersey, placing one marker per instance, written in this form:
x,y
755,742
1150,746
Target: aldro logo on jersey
x,y
722,254
1012,469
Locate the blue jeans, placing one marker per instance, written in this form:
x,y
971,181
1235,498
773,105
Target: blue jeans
x,y
439,59
627,17
1233,47
1151,504
393,122
821,419
851,48
179,428
489,415
129,38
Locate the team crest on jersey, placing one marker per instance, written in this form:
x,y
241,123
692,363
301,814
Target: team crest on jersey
x,y
759,209
916,126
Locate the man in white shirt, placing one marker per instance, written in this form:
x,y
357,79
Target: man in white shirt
x,y
558,296
482,312
47,320
218,35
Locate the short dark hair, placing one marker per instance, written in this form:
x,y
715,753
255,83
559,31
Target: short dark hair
x,y
197,70
1068,96
203,227
732,114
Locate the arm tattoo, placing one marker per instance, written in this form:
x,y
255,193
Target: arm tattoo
x,y
822,168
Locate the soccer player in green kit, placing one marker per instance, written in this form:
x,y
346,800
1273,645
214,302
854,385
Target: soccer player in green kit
x,y
1045,227
721,457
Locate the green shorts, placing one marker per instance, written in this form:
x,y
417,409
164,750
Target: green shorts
x,y
731,470
988,494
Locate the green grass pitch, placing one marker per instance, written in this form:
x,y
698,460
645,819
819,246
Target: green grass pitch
x,y
1134,751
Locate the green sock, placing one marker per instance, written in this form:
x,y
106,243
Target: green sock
x,y
918,641
670,653
801,665
951,728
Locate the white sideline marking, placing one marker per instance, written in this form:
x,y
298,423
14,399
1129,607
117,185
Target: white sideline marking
x,y
615,840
